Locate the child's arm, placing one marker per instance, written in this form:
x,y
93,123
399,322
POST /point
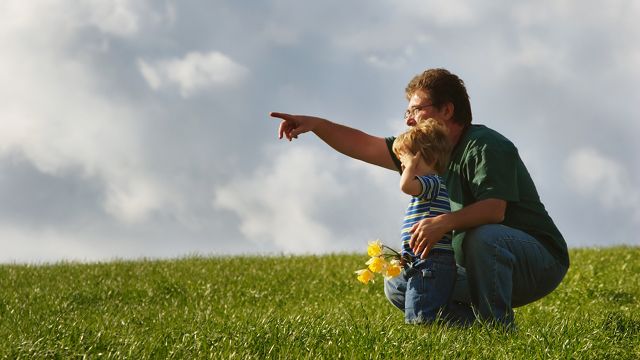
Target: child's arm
x,y
409,184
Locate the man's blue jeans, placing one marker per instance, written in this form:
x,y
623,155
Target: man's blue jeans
x,y
504,268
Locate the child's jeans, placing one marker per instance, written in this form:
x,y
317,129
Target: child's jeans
x,y
427,289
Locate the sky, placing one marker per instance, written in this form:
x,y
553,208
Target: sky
x,y
137,129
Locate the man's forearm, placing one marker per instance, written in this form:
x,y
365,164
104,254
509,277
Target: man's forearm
x,y
430,230
489,211
354,143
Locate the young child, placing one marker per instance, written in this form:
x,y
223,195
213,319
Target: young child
x,y
424,152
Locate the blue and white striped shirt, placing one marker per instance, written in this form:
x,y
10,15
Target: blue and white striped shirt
x,y
432,201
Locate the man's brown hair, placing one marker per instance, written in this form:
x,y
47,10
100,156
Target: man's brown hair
x,y
443,87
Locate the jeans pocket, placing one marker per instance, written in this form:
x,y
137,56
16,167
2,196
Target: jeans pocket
x,y
437,275
443,275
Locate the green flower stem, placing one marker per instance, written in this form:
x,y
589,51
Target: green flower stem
x,y
396,255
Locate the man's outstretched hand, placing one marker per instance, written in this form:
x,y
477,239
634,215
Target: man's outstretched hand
x,y
294,125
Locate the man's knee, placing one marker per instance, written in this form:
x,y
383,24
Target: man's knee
x,y
479,239
487,245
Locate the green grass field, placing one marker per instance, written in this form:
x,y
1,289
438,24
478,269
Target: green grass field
x,y
302,307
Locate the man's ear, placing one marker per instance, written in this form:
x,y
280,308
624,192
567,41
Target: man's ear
x,y
448,111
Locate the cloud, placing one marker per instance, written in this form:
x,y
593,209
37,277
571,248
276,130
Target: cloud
x,y
443,13
55,114
194,72
116,17
312,200
44,246
603,179
278,202
390,62
120,122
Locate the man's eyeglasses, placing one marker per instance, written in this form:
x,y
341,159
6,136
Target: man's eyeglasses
x,y
412,112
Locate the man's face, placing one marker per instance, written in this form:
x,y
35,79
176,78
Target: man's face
x,y
426,110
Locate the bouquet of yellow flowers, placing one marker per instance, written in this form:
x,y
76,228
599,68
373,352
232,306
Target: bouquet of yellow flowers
x,y
388,264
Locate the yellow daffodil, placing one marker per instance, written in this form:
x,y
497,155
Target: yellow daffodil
x,y
376,264
379,263
392,270
365,276
375,248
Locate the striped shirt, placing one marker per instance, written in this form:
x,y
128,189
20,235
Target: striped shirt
x,y
432,201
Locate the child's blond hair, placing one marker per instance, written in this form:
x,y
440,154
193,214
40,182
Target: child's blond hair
x,y
431,138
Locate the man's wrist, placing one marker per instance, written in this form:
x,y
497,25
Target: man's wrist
x,y
445,222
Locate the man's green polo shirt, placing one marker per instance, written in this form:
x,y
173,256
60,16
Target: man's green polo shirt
x,y
486,165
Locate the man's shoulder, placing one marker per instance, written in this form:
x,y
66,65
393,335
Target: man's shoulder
x,y
481,136
478,131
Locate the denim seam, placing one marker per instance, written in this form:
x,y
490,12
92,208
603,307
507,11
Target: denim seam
x,y
495,276
496,247
534,242
543,277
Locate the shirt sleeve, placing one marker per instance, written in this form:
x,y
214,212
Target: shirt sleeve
x,y
492,172
395,159
430,188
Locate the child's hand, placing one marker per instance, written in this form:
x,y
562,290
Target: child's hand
x,y
408,182
408,160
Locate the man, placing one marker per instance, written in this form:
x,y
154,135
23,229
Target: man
x,y
511,249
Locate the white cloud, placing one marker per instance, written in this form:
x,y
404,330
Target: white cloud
x,y
531,53
380,177
194,72
449,13
314,200
115,16
393,62
132,195
150,74
47,245
571,11
601,178
277,204
53,114
71,110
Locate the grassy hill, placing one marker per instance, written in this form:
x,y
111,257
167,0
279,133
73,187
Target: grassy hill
x,y
295,307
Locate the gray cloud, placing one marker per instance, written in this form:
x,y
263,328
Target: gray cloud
x,y
137,128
